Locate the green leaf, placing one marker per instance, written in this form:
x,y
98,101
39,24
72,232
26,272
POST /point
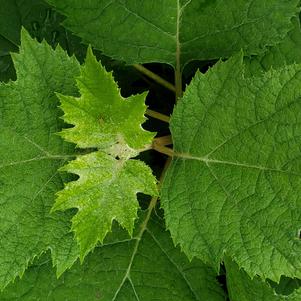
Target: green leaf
x,y
285,53
139,268
41,21
235,182
286,286
242,288
172,30
102,118
30,154
108,180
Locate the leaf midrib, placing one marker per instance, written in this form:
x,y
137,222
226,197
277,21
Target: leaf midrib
x,y
138,239
46,156
208,161
38,158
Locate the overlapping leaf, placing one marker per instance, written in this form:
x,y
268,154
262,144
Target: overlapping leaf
x,y
41,21
124,268
285,53
178,31
235,183
30,154
108,180
242,288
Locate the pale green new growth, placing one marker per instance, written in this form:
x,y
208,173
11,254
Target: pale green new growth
x,y
234,185
30,155
102,118
178,31
106,190
242,288
108,181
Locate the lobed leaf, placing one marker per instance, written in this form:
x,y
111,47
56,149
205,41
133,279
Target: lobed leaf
x,y
235,182
108,180
30,154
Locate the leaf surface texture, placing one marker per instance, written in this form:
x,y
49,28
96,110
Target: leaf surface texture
x,y
124,268
234,184
284,53
108,179
177,31
41,21
242,288
31,153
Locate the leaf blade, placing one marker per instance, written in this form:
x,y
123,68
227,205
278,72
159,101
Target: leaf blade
x,y
158,269
31,153
237,163
108,178
178,28
241,287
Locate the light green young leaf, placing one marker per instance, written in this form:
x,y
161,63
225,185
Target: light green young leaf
x,y
234,185
178,31
146,267
102,118
242,288
30,154
108,180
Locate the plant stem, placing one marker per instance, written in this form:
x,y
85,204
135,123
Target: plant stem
x,y
163,149
155,77
163,140
157,115
157,144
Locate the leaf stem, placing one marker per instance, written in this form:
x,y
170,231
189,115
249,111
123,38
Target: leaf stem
x,y
163,140
155,77
163,149
157,144
157,115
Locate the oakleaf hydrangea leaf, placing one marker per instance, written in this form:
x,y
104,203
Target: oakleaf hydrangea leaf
x,y
139,268
177,31
108,179
234,185
30,154
242,288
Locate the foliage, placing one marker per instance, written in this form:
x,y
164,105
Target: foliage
x,y
108,179
241,173
31,154
82,170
